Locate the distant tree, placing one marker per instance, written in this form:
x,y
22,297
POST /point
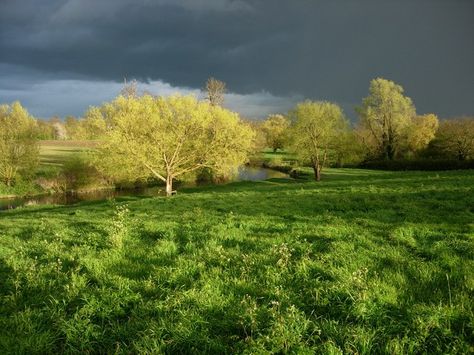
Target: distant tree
x,y
73,128
314,135
19,150
455,138
167,138
421,132
275,128
385,115
59,128
93,124
349,148
215,90
45,130
129,89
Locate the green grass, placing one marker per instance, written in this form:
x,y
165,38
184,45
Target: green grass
x,y
56,153
362,262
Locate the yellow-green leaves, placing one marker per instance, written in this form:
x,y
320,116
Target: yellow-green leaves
x,y
18,147
385,116
315,132
421,132
169,137
275,129
455,138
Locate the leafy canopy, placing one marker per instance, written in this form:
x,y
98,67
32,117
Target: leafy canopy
x,y
170,137
19,150
275,128
385,115
316,131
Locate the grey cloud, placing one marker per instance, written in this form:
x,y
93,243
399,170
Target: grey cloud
x,y
317,49
46,97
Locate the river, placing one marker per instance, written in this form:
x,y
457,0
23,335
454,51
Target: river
x,y
246,173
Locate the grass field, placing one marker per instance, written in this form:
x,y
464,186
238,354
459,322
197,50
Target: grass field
x,y
56,153
362,262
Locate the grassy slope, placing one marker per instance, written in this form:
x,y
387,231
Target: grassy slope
x,y
56,153
361,262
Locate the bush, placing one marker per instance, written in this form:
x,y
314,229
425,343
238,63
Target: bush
x,y
426,165
80,173
22,187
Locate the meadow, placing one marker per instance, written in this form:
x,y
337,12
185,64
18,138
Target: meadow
x,y
54,155
361,262
57,152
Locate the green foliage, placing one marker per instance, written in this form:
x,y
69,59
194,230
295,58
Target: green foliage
x,y
167,138
44,130
385,118
21,188
119,226
80,173
421,132
418,164
454,139
316,131
91,127
18,146
353,264
275,129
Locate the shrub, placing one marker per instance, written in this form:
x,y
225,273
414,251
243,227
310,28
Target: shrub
x,y
79,173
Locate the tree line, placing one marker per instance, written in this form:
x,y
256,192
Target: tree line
x,y
388,129
142,136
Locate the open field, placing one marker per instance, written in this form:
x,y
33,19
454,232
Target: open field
x,y
362,262
57,152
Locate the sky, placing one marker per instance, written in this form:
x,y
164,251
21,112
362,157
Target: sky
x,y
58,57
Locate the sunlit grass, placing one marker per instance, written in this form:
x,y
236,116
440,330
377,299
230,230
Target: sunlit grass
x,y
56,153
361,262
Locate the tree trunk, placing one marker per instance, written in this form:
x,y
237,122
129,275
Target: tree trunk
x,y
169,186
317,171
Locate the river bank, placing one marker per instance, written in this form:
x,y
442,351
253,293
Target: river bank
x,y
245,173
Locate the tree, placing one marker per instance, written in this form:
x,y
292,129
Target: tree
x,y
73,128
455,138
19,150
45,129
386,115
93,124
215,90
314,134
129,89
421,132
59,128
349,149
275,128
167,138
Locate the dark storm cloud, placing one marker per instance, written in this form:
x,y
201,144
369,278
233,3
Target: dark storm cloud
x,y
316,49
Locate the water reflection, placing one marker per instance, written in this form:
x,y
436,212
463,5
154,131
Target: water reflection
x,y
246,173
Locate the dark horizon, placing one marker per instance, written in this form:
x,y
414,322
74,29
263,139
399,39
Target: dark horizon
x,y
61,57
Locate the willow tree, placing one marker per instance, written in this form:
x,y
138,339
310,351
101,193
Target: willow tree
x,y
275,128
421,132
19,150
316,131
386,115
169,137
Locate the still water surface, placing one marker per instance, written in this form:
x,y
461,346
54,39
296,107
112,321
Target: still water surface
x,y
246,173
